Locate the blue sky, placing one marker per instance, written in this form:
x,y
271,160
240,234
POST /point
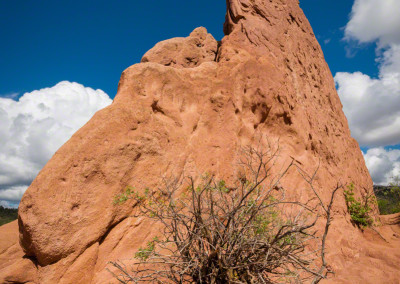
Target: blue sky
x,y
92,42
62,59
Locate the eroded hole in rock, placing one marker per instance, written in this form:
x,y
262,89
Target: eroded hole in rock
x,y
75,207
156,108
313,146
287,119
190,60
138,155
216,58
293,20
264,116
261,110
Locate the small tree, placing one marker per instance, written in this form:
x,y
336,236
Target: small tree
x,y
245,233
359,209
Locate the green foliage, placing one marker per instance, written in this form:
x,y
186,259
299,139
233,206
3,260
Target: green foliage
x,y
222,186
129,193
388,203
144,253
262,222
359,209
7,215
240,231
389,197
218,232
387,206
395,184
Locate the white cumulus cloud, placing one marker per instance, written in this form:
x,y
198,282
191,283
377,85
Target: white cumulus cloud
x,y
6,204
372,105
13,193
383,164
374,20
35,126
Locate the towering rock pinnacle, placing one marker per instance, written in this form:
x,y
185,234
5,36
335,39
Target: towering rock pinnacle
x,y
188,108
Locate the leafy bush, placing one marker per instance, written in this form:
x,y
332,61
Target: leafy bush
x,y
359,209
389,197
387,206
215,233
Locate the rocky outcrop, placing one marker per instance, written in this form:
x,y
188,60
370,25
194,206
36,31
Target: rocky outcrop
x,y
188,52
188,108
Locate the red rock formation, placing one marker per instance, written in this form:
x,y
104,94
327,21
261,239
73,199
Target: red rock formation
x,y
188,108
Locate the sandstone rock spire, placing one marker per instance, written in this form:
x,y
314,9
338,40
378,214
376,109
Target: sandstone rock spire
x,y
188,108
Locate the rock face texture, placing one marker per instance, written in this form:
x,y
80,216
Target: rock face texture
x,y
187,108
187,52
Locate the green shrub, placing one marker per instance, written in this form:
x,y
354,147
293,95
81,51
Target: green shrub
x,y
244,231
383,205
359,209
389,197
388,206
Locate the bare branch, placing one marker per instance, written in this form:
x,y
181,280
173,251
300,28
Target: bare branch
x,y
246,233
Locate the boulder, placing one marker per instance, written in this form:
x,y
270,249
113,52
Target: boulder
x,y
188,108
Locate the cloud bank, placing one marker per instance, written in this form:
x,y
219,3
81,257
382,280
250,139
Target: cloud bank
x,y
35,126
383,164
374,20
372,105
